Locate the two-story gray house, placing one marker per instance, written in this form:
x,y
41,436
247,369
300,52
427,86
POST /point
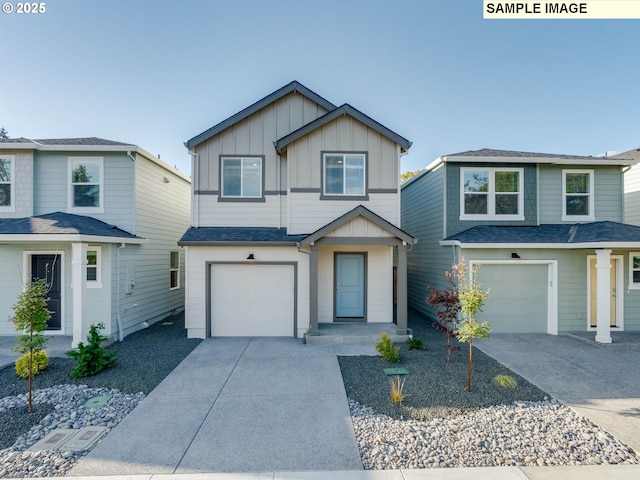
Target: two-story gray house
x,y
99,221
546,231
295,220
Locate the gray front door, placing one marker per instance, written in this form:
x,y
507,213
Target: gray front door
x,y
350,286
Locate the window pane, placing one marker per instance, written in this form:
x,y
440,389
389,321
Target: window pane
x,y
175,259
577,205
636,277
92,274
92,257
251,178
476,181
174,279
5,195
85,172
506,204
475,204
507,181
5,170
86,195
333,174
636,262
231,181
577,183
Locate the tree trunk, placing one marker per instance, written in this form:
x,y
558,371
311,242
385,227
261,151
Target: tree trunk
x,y
470,365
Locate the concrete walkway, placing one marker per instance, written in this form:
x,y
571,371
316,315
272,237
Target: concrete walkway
x,y
237,405
600,382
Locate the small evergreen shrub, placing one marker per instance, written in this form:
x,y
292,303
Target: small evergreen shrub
x,y
39,362
92,358
397,390
415,343
505,381
387,350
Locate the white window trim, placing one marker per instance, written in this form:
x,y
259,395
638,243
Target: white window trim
x,y
344,178
242,159
12,185
633,285
573,218
97,283
71,207
491,199
171,269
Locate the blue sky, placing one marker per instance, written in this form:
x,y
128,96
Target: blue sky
x,y
156,73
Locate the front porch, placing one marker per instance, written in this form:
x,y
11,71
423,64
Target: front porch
x,y
332,333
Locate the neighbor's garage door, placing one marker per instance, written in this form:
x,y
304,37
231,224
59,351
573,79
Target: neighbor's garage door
x,y
252,300
518,301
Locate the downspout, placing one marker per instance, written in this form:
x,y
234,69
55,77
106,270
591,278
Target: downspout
x,y
119,320
195,198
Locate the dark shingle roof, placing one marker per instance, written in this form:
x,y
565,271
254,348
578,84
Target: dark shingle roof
x,y
59,223
238,235
488,152
596,232
79,141
15,140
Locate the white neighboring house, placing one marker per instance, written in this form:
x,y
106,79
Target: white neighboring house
x,y
100,221
295,220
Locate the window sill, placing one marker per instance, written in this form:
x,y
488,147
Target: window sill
x,y
174,288
241,199
345,197
577,218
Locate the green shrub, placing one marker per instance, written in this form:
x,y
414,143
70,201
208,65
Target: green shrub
x,y
415,343
92,358
505,381
387,350
39,363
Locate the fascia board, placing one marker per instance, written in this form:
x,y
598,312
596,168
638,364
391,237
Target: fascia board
x,y
43,237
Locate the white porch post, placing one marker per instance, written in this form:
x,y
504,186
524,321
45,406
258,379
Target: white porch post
x,y
603,299
78,286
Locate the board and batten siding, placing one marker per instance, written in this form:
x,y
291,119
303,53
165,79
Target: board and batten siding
x,y
252,136
632,195
51,186
608,199
22,184
162,213
422,204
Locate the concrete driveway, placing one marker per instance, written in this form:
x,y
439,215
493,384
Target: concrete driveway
x,y
600,382
237,405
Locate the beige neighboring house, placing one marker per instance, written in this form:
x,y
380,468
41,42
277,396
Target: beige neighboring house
x,y
100,221
295,220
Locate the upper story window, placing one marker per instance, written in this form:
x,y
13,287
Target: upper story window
x,y
344,174
577,195
634,270
241,178
86,187
7,190
174,270
94,278
491,194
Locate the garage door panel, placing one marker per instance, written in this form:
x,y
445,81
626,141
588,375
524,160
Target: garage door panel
x,y
252,300
518,300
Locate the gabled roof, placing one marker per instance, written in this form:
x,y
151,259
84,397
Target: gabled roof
x,y
359,211
488,155
195,236
352,112
61,226
579,235
260,104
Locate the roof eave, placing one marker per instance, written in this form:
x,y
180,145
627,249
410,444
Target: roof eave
x,y
227,243
68,237
546,246
543,160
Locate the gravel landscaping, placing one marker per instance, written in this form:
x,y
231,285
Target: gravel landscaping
x,y
441,424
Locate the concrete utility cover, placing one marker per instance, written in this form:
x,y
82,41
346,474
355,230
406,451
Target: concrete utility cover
x,y
395,371
96,402
70,439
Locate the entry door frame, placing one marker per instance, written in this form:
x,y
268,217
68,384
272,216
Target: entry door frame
x,y
618,261
337,318
26,268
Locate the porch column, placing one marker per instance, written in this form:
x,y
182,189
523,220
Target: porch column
x,y
603,297
401,326
313,291
78,288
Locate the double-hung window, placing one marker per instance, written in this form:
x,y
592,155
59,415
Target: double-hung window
x,y
344,174
634,270
7,190
94,279
241,178
491,193
174,270
86,184
577,195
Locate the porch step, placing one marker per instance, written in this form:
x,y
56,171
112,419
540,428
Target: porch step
x,y
363,333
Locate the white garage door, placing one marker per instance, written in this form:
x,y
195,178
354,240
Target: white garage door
x,y
252,300
518,301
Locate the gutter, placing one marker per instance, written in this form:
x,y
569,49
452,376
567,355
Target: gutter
x,y
118,318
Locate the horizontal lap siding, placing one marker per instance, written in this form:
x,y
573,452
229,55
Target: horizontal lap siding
x,y
632,196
